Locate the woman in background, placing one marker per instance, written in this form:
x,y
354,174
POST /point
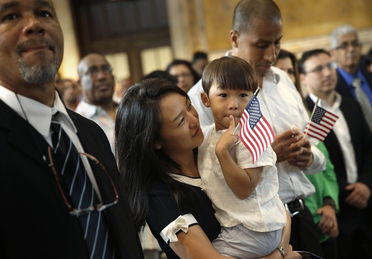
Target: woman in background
x,y
186,76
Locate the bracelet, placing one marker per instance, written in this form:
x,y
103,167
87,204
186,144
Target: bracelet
x,y
282,251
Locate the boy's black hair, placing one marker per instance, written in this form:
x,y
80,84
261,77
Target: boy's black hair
x,y
229,73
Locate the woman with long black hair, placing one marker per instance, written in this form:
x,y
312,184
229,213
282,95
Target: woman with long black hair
x,y
157,136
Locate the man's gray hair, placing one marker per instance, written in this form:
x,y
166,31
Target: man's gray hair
x,y
340,31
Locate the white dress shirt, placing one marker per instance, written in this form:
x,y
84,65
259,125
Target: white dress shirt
x,y
342,133
101,117
285,110
39,116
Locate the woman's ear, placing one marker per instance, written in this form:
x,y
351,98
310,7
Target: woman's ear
x,y
205,99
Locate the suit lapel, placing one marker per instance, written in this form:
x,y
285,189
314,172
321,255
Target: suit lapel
x,y
22,136
91,146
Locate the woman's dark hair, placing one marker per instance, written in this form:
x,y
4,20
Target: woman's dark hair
x,y
229,73
186,63
138,125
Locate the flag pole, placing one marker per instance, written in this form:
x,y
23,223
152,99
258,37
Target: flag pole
x,y
311,116
254,95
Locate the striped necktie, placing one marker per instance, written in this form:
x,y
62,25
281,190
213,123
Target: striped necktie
x,y
363,101
79,189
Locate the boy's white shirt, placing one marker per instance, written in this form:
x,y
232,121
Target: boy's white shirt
x,y
263,210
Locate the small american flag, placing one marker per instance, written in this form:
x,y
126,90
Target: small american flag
x,y
320,124
255,131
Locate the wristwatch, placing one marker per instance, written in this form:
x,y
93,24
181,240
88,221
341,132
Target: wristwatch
x,y
282,251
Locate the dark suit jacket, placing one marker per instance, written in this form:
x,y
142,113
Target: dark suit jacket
x,y
343,88
34,220
362,143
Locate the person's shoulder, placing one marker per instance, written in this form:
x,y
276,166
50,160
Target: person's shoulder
x,y
83,123
352,105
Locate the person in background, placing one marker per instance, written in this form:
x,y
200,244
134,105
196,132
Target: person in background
x,y
323,204
59,183
350,148
70,92
199,61
353,80
121,88
98,83
185,74
287,62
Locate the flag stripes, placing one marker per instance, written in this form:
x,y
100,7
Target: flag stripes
x,y
255,133
320,124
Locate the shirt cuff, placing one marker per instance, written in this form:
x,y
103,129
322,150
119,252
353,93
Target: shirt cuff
x,y
319,162
182,223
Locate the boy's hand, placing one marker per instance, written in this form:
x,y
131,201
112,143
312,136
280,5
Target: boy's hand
x,y
228,138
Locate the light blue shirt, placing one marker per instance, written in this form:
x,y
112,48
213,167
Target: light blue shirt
x,y
349,79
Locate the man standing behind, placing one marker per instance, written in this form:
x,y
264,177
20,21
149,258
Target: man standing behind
x,y
255,37
98,85
353,80
58,201
350,148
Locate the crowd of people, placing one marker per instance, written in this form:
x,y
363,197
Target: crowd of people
x,y
158,168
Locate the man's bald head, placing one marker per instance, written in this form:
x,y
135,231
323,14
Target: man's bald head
x,y
246,11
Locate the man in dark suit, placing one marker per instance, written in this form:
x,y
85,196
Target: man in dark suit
x,y
350,148
346,51
40,216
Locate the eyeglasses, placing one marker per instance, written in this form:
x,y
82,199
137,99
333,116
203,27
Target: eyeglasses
x,y
320,68
346,44
82,211
94,70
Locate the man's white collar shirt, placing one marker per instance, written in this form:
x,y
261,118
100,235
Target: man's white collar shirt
x,y
342,133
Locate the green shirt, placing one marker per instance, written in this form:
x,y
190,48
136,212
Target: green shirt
x,y
326,185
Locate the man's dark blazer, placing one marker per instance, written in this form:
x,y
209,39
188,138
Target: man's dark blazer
x,y
34,220
343,88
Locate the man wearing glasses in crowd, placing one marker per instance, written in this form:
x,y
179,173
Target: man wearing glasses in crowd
x,y
353,80
98,85
350,148
61,196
